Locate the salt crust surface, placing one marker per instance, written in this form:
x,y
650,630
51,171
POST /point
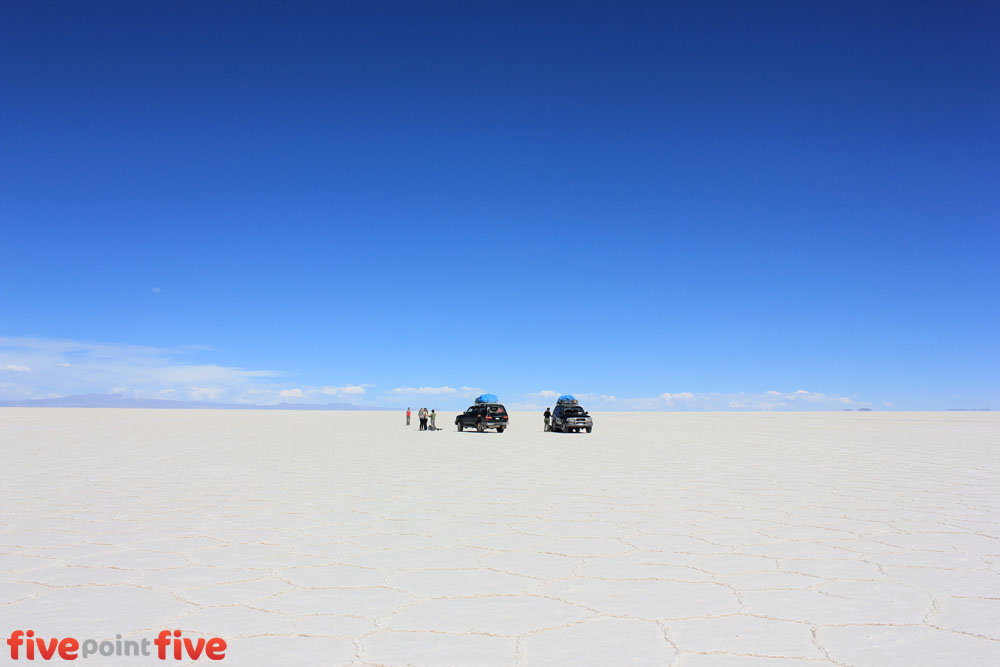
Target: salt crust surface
x,y
345,538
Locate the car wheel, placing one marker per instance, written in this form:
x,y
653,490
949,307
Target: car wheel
x,y
500,429
479,427
459,425
590,430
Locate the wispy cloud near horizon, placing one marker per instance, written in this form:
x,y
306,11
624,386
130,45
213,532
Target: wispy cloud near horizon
x,y
799,399
42,368
437,391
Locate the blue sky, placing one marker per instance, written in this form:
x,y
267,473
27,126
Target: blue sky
x,y
704,205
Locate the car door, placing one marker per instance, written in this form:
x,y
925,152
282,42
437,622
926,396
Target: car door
x,y
469,418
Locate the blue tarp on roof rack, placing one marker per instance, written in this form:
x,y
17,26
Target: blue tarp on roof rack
x,y
567,398
487,398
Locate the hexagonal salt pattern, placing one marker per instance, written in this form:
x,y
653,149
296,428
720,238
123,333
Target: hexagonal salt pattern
x,y
340,538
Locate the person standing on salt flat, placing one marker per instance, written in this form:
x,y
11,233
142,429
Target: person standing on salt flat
x,y
548,417
407,416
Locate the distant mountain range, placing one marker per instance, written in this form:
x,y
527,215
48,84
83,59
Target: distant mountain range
x,y
116,401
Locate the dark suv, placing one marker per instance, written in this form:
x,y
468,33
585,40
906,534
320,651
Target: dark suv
x,y
571,419
483,416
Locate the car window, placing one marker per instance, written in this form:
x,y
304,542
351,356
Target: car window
x,y
470,411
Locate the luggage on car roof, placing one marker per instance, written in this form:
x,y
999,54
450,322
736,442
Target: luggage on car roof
x,y
487,398
567,399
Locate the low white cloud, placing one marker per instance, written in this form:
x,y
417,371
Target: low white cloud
x,y
346,390
674,399
549,394
443,396
156,290
205,393
257,395
595,398
68,367
541,399
426,391
800,399
269,394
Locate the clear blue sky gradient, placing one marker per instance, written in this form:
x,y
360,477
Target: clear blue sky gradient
x,y
616,198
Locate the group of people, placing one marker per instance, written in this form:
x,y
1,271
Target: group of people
x,y
426,417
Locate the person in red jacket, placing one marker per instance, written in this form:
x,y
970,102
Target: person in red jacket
x,y
407,416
